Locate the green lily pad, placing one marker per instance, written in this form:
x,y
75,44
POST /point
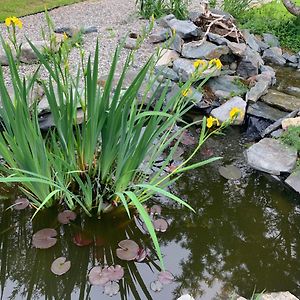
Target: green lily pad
x,y
230,172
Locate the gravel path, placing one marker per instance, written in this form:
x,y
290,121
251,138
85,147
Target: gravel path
x,y
114,19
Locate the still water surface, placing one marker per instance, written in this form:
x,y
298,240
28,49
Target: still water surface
x,y
245,235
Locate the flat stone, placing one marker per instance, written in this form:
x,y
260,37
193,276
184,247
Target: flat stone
x,y
281,100
222,113
290,58
160,35
250,63
184,68
250,40
230,85
238,49
258,90
262,110
164,21
205,50
167,73
268,72
28,56
278,296
286,123
185,29
131,43
276,134
274,56
217,39
72,31
167,57
294,181
271,156
176,43
271,40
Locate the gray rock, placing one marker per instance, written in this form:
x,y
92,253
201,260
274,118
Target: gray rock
x,y
228,85
238,49
167,73
185,29
184,68
175,90
194,15
290,58
249,64
250,40
262,110
164,21
28,56
71,31
274,56
281,100
176,43
277,133
258,90
271,40
130,43
262,45
222,113
167,57
3,58
278,296
205,50
217,39
271,156
294,181
160,35
268,72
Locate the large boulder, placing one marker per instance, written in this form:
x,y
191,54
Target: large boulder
x,y
271,156
185,29
203,50
222,113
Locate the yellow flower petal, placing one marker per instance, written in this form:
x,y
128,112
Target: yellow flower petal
x,y
8,21
234,112
199,63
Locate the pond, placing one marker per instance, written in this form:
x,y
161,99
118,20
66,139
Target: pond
x,y
244,236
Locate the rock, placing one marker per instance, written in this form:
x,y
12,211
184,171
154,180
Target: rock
x,y
294,182
271,40
250,40
176,43
160,35
233,66
27,54
194,15
249,64
184,68
185,29
217,39
71,31
281,100
277,124
271,156
269,73
164,21
167,57
228,85
274,56
205,50
130,43
262,110
3,58
222,113
238,49
260,89
276,134
262,45
186,297
167,73
286,123
278,296
290,58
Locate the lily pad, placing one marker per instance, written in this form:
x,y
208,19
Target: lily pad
x,y
128,250
155,210
141,255
44,238
80,239
115,272
156,286
60,266
111,288
165,277
21,203
66,217
160,225
99,276
230,172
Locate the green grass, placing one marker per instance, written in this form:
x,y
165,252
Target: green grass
x,y
274,18
21,8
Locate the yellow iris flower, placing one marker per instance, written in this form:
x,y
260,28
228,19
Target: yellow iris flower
x,y
13,21
211,121
234,112
186,92
200,63
215,62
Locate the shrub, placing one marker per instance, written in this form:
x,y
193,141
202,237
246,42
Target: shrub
x,y
235,7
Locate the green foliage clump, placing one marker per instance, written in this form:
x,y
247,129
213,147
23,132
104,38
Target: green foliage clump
x,y
235,7
291,137
274,18
158,8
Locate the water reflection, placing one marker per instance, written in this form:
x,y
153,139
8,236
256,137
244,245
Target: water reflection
x,y
245,235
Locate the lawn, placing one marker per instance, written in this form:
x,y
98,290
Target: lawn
x,y
20,8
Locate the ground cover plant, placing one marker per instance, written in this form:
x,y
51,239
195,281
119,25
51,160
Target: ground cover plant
x,y
291,137
25,7
274,18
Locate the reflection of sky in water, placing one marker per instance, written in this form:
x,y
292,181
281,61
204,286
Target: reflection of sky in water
x,y
245,234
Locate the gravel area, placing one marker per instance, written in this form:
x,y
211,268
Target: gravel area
x,y
114,19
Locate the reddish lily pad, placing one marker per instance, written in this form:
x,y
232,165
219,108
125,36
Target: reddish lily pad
x,y
230,172
165,277
66,217
60,266
80,239
44,238
128,250
21,203
160,225
111,288
99,276
156,286
155,210
115,272
143,253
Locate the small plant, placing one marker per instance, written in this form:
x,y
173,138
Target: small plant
x,y
236,7
291,137
212,3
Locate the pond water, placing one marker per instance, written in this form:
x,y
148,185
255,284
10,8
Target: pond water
x,y
245,235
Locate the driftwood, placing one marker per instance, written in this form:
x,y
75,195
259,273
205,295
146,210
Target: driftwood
x,y
221,24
